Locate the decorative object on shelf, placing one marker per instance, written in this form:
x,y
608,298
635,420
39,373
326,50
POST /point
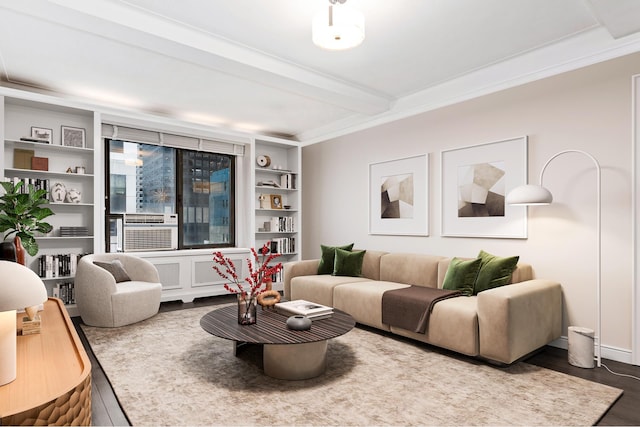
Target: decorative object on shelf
x,y
22,158
21,214
259,273
341,28
287,207
475,181
58,192
269,298
269,183
299,323
73,196
40,163
263,161
398,196
73,137
265,201
69,170
42,134
19,288
525,195
276,201
80,170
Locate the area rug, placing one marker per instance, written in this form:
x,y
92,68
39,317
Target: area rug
x,y
168,371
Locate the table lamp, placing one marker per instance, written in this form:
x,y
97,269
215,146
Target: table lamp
x,y
20,288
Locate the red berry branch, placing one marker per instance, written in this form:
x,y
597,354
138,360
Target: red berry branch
x,y
259,272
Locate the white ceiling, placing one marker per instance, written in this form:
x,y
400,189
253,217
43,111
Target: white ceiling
x,y
250,65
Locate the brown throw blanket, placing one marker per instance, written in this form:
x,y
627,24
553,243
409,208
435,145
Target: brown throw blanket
x,y
409,308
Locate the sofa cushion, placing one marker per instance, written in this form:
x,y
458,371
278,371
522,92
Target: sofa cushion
x,y
348,263
319,289
116,269
412,269
371,264
328,257
453,324
461,275
494,271
363,300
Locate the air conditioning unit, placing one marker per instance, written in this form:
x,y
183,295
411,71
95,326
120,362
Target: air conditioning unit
x,y
150,232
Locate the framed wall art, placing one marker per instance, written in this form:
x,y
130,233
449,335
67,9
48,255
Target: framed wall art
x,y
475,182
399,196
73,137
42,134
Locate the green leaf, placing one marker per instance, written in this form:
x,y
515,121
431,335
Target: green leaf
x,y
21,214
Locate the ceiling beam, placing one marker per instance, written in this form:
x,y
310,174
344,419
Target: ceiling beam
x,y
176,40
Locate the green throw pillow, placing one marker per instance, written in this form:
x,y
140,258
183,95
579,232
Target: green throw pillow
x,y
116,269
461,275
494,271
328,257
348,263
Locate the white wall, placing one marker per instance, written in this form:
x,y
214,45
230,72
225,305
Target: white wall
x,y
587,109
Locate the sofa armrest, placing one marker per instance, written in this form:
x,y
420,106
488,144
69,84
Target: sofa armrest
x,y
517,319
298,268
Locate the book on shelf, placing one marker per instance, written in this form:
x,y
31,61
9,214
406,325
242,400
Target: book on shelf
x,y
33,139
302,307
40,163
280,224
288,181
58,265
22,158
38,184
74,231
284,245
65,291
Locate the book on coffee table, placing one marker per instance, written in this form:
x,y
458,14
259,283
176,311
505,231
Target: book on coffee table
x,y
304,308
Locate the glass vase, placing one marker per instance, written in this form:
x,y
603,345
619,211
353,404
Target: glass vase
x,y
247,314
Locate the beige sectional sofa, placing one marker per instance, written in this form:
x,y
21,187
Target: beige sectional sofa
x,y
501,325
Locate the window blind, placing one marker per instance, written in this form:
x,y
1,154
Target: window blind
x,y
171,140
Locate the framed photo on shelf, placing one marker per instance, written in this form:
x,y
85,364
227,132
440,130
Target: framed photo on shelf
x,y
475,181
42,134
399,196
73,137
276,201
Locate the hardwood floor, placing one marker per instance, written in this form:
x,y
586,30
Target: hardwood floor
x,y
107,411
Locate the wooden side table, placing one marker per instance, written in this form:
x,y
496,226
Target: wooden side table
x,y
53,384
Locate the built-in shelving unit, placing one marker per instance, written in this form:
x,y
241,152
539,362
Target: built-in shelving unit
x,y
185,274
277,200
70,166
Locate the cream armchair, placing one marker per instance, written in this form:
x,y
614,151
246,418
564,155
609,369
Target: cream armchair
x,y
103,301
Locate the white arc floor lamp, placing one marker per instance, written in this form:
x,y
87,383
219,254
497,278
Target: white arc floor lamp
x,y
539,195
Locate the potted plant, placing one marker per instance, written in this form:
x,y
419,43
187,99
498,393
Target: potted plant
x,y
22,216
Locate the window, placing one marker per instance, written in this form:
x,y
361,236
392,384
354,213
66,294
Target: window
x,y
206,196
199,186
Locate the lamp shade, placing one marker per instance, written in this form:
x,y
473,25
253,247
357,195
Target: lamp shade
x,y
20,287
529,195
338,28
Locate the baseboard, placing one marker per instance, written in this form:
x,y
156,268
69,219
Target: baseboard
x,y
611,353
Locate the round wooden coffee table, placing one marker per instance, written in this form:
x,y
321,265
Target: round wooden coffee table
x,y
288,354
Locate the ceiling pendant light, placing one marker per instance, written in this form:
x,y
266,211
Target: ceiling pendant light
x,y
340,28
